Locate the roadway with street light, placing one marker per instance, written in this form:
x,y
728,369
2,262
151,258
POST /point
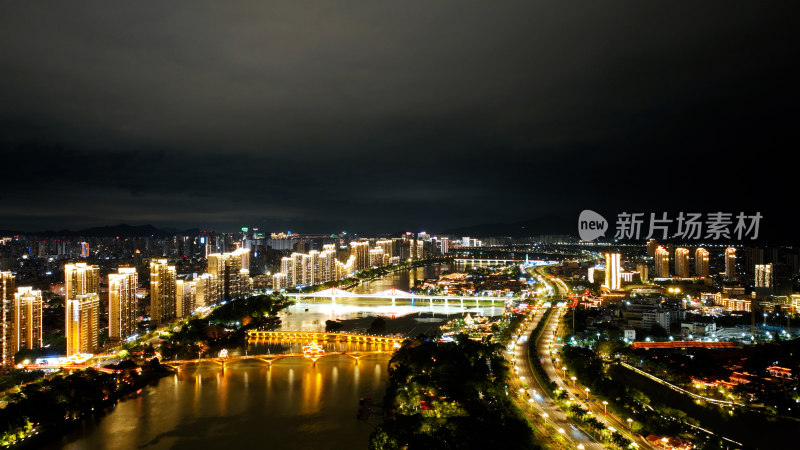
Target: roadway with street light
x,y
540,403
547,347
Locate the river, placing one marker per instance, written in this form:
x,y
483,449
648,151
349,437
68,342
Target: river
x,y
292,405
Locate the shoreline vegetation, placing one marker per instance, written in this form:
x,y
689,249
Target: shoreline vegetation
x,y
225,327
450,395
45,409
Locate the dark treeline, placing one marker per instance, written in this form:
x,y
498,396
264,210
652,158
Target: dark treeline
x,y
450,396
226,326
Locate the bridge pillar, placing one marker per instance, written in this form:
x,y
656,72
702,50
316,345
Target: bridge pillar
x,y
445,303
393,301
462,303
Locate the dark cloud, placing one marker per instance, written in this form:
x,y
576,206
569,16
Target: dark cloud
x,y
381,116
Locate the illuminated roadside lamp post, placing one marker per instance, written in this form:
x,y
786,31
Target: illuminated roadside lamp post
x,y
630,422
605,407
573,381
587,394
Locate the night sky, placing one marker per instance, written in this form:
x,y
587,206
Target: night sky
x,y
392,116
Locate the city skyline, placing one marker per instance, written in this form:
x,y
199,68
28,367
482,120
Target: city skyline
x,y
399,225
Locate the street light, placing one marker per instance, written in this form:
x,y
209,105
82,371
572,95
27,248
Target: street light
x,y
573,381
605,407
587,394
630,422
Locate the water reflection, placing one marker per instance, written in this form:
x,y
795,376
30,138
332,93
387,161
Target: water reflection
x,y
290,404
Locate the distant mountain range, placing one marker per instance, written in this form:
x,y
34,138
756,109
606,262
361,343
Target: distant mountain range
x,y
121,230
526,228
533,227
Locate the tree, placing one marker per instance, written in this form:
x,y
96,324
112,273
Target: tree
x,y
658,331
333,325
378,326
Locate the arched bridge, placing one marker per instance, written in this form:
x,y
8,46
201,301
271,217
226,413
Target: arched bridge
x,y
271,358
321,336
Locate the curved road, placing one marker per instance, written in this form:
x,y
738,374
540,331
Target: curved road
x,y
597,408
543,404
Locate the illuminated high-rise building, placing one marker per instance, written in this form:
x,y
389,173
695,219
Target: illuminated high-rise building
x,y
360,251
28,318
122,308
287,268
185,297
343,269
279,281
82,307
613,270
643,272
79,279
386,245
327,264
376,257
701,262
764,277
662,262
311,268
206,290
444,244
682,262
8,288
232,271
730,262
163,301
652,244
84,249
82,314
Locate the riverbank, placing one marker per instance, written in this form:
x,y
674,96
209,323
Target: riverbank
x,y
45,409
408,325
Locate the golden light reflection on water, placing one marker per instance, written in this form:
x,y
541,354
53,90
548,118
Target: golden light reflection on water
x,y
254,401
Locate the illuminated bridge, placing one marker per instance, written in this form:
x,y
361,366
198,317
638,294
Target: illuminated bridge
x,y
271,358
487,261
321,336
395,294
682,344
